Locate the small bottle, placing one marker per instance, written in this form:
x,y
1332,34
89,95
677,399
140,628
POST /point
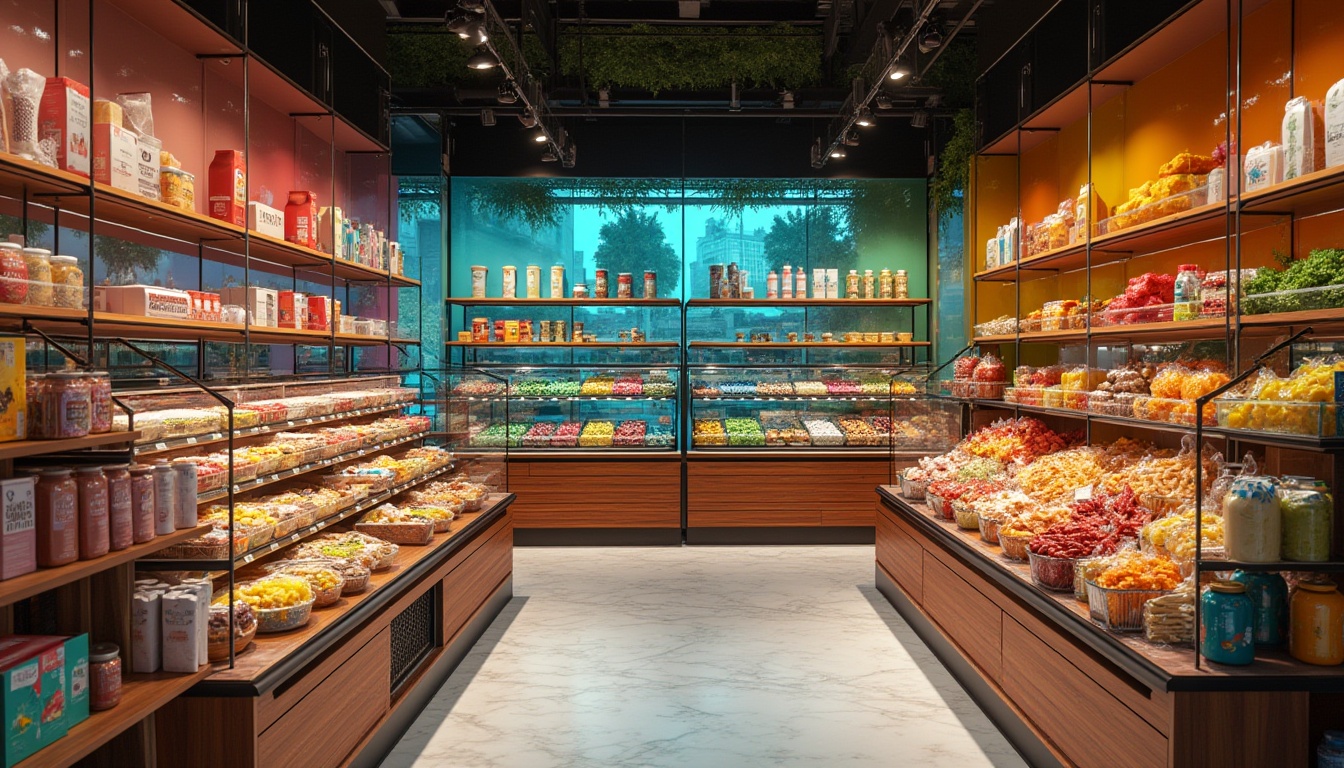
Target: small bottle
x,y
869,283
187,497
104,676
786,284
1187,291
885,287
772,285
799,283
852,284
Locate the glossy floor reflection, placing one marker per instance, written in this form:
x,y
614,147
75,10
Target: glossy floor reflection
x,y
705,657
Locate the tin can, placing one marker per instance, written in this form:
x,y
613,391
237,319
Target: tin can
x,y
715,281
499,331
650,284
478,274
511,331
510,282
480,330
601,287
533,281
558,282
545,331
625,283
558,331
525,331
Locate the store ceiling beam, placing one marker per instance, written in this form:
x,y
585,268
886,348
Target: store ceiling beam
x,y
867,29
537,17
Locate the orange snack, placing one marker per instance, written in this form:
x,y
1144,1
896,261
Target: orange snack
x,y
1135,570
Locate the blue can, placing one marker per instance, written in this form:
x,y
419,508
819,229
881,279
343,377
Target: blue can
x,y
1269,597
1229,623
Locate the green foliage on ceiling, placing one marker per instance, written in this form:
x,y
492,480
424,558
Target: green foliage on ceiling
x,y
954,166
656,59
432,59
954,74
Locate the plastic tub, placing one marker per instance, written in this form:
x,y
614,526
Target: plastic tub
x,y
271,620
1053,573
1015,545
965,516
989,529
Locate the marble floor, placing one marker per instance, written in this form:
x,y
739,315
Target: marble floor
x,y
704,657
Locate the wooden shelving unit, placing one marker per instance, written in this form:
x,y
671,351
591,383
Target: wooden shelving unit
x,y
20,448
499,301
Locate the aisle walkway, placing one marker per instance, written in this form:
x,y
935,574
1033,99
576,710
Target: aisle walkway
x,y
700,657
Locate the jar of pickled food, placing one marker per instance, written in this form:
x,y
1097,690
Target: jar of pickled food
x,y
142,503
67,281
71,404
38,389
120,519
13,274
1316,624
38,261
1308,519
900,288
100,396
93,502
1228,619
57,518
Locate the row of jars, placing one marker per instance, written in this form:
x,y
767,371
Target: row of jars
x,y
68,404
1254,611
36,277
1267,520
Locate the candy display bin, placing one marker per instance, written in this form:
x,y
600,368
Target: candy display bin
x,y
1281,417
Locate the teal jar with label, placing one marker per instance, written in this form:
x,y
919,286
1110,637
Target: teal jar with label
x,y
1268,593
1308,519
1228,619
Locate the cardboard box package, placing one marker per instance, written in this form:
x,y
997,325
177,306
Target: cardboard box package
x,y
319,313
301,219
263,303
77,694
331,231
13,389
265,220
293,310
34,690
148,301
65,116
18,536
228,187
147,149
116,157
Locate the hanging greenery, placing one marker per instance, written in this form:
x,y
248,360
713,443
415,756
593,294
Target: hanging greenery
x,y
954,74
954,166
642,56
431,59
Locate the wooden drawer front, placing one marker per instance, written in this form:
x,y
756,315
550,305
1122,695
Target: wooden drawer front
x,y
972,620
471,583
221,734
584,494
334,717
1234,728
1075,712
900,553
728,493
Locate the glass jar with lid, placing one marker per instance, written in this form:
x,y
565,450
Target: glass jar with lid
x,y
38,261
38,387
1252,522
71,404
13,274
57,518
1316,624
120,519
100,397
104,676
1308,519
67,281
142,503
93,511
900,288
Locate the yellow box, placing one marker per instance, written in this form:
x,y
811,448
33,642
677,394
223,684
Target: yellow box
x,y
105,111
511,331
13,392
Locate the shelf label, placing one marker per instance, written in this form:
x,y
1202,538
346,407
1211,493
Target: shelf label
x,y
160,446
192,441
248,558
1083,494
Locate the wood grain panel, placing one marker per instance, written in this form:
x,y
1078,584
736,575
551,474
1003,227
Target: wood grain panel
x,y
971,576
586,494
221,734
334,717
1212,730
728,493
901,554
972,620
469,585
1088,724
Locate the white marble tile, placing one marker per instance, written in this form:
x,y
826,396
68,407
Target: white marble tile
x,y
705,657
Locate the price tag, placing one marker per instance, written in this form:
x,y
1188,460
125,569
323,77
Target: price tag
x,y
247,558
160,446
192,441
1083,494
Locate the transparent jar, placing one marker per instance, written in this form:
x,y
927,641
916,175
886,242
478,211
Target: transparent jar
x,y
1187,293
71,404
1252,521
38,388
13,274
67,281
38,261
104,676
93,513
1308,519
142,503
120,507
57,518
100,396
900,285
1316,624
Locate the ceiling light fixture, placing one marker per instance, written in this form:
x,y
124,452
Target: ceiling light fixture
x,y
528,120
920,119
506,94
931,38
471,5
864,118
900,71
458,24
549,156
483,59
852,139
838,153
540,137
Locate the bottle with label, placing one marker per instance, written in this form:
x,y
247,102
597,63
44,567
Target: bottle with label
x,y
869,284
786,283
772,285
165,498
900,285
57,518
799,283
885,284
852,284
1187,293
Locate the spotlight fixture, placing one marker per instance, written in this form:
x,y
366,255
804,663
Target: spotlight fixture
x,y
528,120
852,139
920,119
483,59
506,94
931,38
864,117
786,99
540,137
549,156
458,25
471,5
475,32
883,101
899,71
838,153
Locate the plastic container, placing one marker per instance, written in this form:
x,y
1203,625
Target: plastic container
x,y
913,489
989,529
1158,209
120,507
940,507
1309,419
1054,573
1308,519
272,620
965,516
93,512
1316,624
1188,302
1014,545
1252,521
1228,620
1119,610
57,518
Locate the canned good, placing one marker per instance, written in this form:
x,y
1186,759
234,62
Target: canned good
x,y
545,331
480,330
510,282
650,284
625,283
580,290
511,331
478,274
557,282
600,285
499,331
716,281
533,281
524,330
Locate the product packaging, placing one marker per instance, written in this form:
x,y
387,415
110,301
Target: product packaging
x,y
23,99
265,220
1334,125
148,301
1217,185
181,650
146,629
833,283
331,231
13,400
202,589
1303,149
1264,166
293,310
105,111
65,118
818,283
228,187
116,156
137,113
301,219
177,187
76,680
33,669
18,537
262,303
319,313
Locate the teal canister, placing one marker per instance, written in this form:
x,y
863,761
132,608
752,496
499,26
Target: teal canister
x,y
1268,593
1229,623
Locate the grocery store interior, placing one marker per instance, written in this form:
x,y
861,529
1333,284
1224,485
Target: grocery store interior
x,y
534,383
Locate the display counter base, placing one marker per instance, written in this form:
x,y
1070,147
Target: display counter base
x,y
821,534
597,537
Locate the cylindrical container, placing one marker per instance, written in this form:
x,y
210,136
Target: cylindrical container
x,y
104,676
40,408
1251,521
743,282
478,274
187,495
165,498
510,281
72,404
464,336
1308,517
558,281
625,284
578,330
67,282
799,283
819,283
1316,624
558,331
732,288
511,331
650,284
885,284
142,503
900,285
772,285
1330,752
793,336
525,330
545,332
716,281
13,274
38,261
869,284
852,284
497,331
533,281
832,283
93,512
786,283
120,523
1269,597
100,399
601,285
57,518
1228,619
580,290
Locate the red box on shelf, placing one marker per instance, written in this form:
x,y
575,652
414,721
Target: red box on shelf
x,y
228,187
65,116
319,313
301,219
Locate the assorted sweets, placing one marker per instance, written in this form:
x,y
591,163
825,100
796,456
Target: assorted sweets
x,y
1301,404
983,377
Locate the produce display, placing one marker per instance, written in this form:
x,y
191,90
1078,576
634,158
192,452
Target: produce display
x,y
1302,404
1180,186
1022,439
978,377
744,432
1316,282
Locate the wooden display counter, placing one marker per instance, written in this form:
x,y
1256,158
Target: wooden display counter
x,y
342,689
596,498
1067,692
